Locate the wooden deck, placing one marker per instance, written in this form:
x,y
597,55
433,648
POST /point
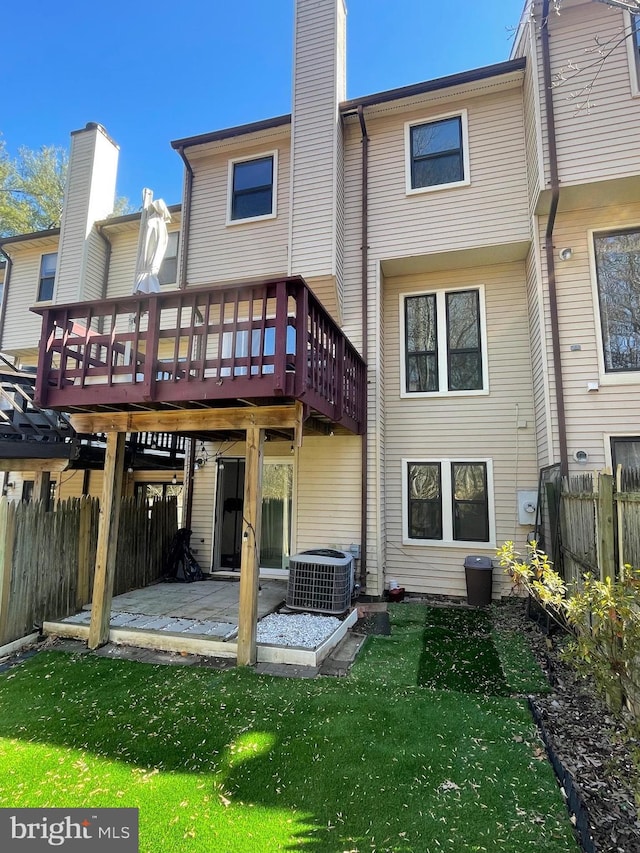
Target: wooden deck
x,y
259,344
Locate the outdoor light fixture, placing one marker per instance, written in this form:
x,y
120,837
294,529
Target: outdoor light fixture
x,y
129,470
566,254
174,479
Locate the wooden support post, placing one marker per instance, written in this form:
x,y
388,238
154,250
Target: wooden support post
x,y
606,538
250,554
42,487
107,540
7,538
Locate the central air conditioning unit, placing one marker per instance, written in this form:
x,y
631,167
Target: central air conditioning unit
x,y
322,580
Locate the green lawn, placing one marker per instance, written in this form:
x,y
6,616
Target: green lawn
x,y
389,759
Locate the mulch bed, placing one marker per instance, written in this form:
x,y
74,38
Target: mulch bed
x,y
591,743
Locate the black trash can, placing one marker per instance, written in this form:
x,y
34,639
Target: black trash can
x,y
479,576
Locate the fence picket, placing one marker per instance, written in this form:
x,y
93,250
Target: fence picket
x,y
47,557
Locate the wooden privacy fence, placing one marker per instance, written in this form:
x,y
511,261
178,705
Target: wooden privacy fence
x,y
600,524
47,558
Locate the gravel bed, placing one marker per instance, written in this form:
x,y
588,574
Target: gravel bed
x,y
302,630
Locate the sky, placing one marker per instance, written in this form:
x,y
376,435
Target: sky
x,y
157,71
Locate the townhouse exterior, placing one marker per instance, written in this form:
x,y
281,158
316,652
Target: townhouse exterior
x,y
473,239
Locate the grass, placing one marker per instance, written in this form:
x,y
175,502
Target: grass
x,y
225,762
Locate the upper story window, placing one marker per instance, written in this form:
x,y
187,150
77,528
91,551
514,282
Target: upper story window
x,y
447,501
437,153
48,265
617,264
633,49
168,273
444,342
252,188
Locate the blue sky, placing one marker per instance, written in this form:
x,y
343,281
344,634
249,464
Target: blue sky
x,y
153,72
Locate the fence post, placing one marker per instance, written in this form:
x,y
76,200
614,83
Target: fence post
x,y
84,551
606,532
7,538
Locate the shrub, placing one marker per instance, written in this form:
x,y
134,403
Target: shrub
x,y
602,616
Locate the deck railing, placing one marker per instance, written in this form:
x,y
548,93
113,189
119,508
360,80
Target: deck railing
x,y
205,345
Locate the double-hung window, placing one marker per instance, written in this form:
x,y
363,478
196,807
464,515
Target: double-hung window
x,y
447,501
437,153
168,273
252,188
617,267
444,342
48,264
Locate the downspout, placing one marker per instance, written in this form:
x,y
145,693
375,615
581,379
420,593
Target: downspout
x,y
364,279
188,481
549,249
186,218
107,259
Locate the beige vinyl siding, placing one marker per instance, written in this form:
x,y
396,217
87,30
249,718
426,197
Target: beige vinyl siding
x,y
22,327
532,113
327,506
89,196
596,130
96,258
614,408
448,219
318,86
326,493
539,363
122,264
462,427
220,252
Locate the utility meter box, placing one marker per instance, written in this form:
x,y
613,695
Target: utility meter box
x,y
527,506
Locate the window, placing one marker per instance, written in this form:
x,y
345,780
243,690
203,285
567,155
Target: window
x,y
437,153
632,33
443,342
447,501
168,273
625,451
617,264
48,265
251,189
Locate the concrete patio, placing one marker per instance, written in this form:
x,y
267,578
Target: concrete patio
x,y
193,618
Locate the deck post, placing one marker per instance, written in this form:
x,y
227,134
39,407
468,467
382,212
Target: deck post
x,y
42,487
107,540
250,554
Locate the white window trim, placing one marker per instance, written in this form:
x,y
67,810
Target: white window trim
x,y
441,314
464,124
623,378
55,279
447,540
274,196
632,58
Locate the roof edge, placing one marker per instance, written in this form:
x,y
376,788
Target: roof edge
x,y
460,79
230,132
33,235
